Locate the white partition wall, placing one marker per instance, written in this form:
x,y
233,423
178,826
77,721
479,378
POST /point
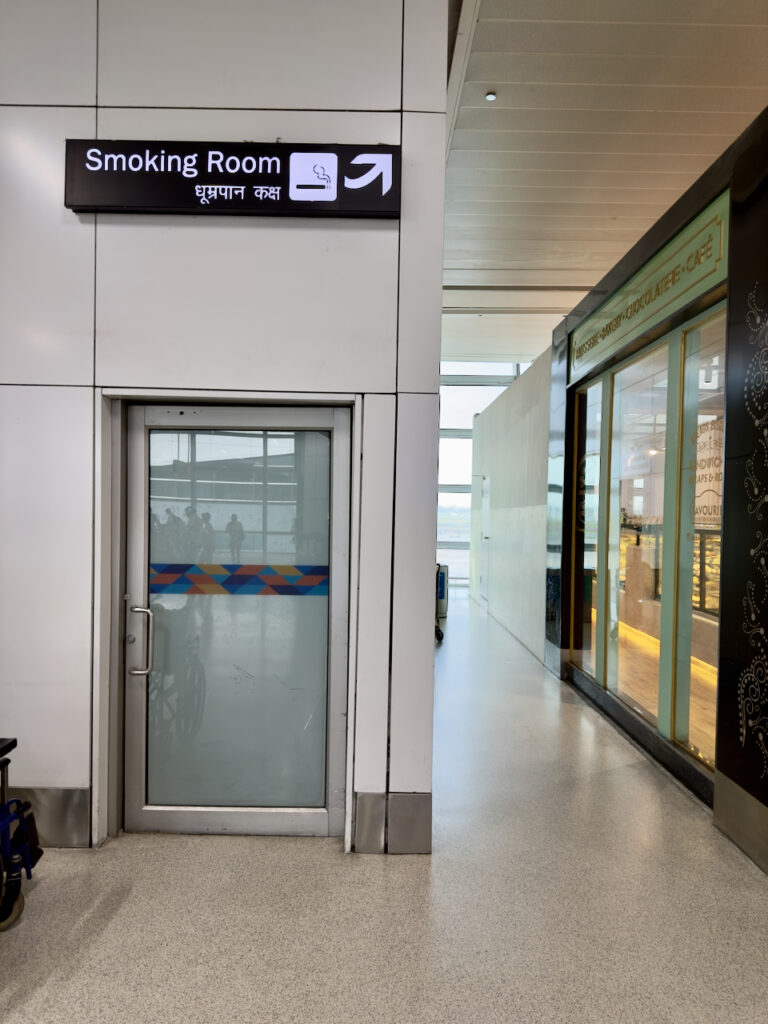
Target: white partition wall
x,y
508,539
99,310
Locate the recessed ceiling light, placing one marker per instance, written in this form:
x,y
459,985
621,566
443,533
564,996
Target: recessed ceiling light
x,y
490,96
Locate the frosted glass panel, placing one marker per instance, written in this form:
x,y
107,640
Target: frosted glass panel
x,y
238,581
236,709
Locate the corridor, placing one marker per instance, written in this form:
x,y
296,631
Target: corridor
x,y
571,881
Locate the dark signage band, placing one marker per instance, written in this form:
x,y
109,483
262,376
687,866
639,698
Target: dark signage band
x,y
240,178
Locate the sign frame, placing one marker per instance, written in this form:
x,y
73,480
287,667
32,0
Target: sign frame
x,y
277,179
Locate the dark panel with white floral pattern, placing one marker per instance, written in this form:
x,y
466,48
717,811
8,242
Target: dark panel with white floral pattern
x,y
742,716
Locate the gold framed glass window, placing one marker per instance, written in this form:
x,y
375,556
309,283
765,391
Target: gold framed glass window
x,y
635,530
700,527
586,582
647,531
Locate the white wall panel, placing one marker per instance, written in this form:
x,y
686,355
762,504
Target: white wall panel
x,y
517,573
425,41
377,481
46,252
259,125
413,619
257,302
46,442
421,278
277,53
246,302
48,51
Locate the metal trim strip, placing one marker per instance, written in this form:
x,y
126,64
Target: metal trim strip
x,y
63,816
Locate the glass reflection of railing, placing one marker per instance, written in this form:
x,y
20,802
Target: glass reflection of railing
x,y
182,488
176,700
706,562
647,536
706,571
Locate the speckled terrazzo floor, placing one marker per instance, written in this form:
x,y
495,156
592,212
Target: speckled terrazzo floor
x,y
572,881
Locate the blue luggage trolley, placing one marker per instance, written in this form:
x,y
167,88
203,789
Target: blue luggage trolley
x,y
19,846
441,600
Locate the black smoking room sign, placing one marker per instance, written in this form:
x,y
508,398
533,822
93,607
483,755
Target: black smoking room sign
x,y
243,178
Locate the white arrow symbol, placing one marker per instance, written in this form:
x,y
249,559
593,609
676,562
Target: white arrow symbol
x,y
382,165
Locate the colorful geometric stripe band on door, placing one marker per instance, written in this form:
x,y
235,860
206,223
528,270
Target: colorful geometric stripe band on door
x,y
296,580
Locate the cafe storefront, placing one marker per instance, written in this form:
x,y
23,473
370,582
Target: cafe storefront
x,y
658,516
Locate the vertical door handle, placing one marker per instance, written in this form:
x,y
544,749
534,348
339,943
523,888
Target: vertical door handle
x,y
150,641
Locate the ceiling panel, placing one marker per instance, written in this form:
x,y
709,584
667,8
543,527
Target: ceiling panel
x,y
523,257
632,38
604,121
518,337
591,192
545,228
530,300
512,281
622,97
634,179
606,112
598,142
712,12
687,69
687,164
623,240
647,211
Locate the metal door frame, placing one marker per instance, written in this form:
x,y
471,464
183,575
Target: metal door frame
x,y
138,816
485,538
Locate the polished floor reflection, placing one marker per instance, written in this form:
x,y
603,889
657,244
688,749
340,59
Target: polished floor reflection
x,y
638,687
640,657
572,882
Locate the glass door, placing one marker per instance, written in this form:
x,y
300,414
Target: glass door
x,y
237,581
485,538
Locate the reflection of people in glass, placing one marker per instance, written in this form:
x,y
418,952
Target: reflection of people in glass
x,y
236,537
194,534
208,544
173,534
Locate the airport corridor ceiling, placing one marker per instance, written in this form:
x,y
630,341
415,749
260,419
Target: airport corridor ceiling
x,y
605,112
